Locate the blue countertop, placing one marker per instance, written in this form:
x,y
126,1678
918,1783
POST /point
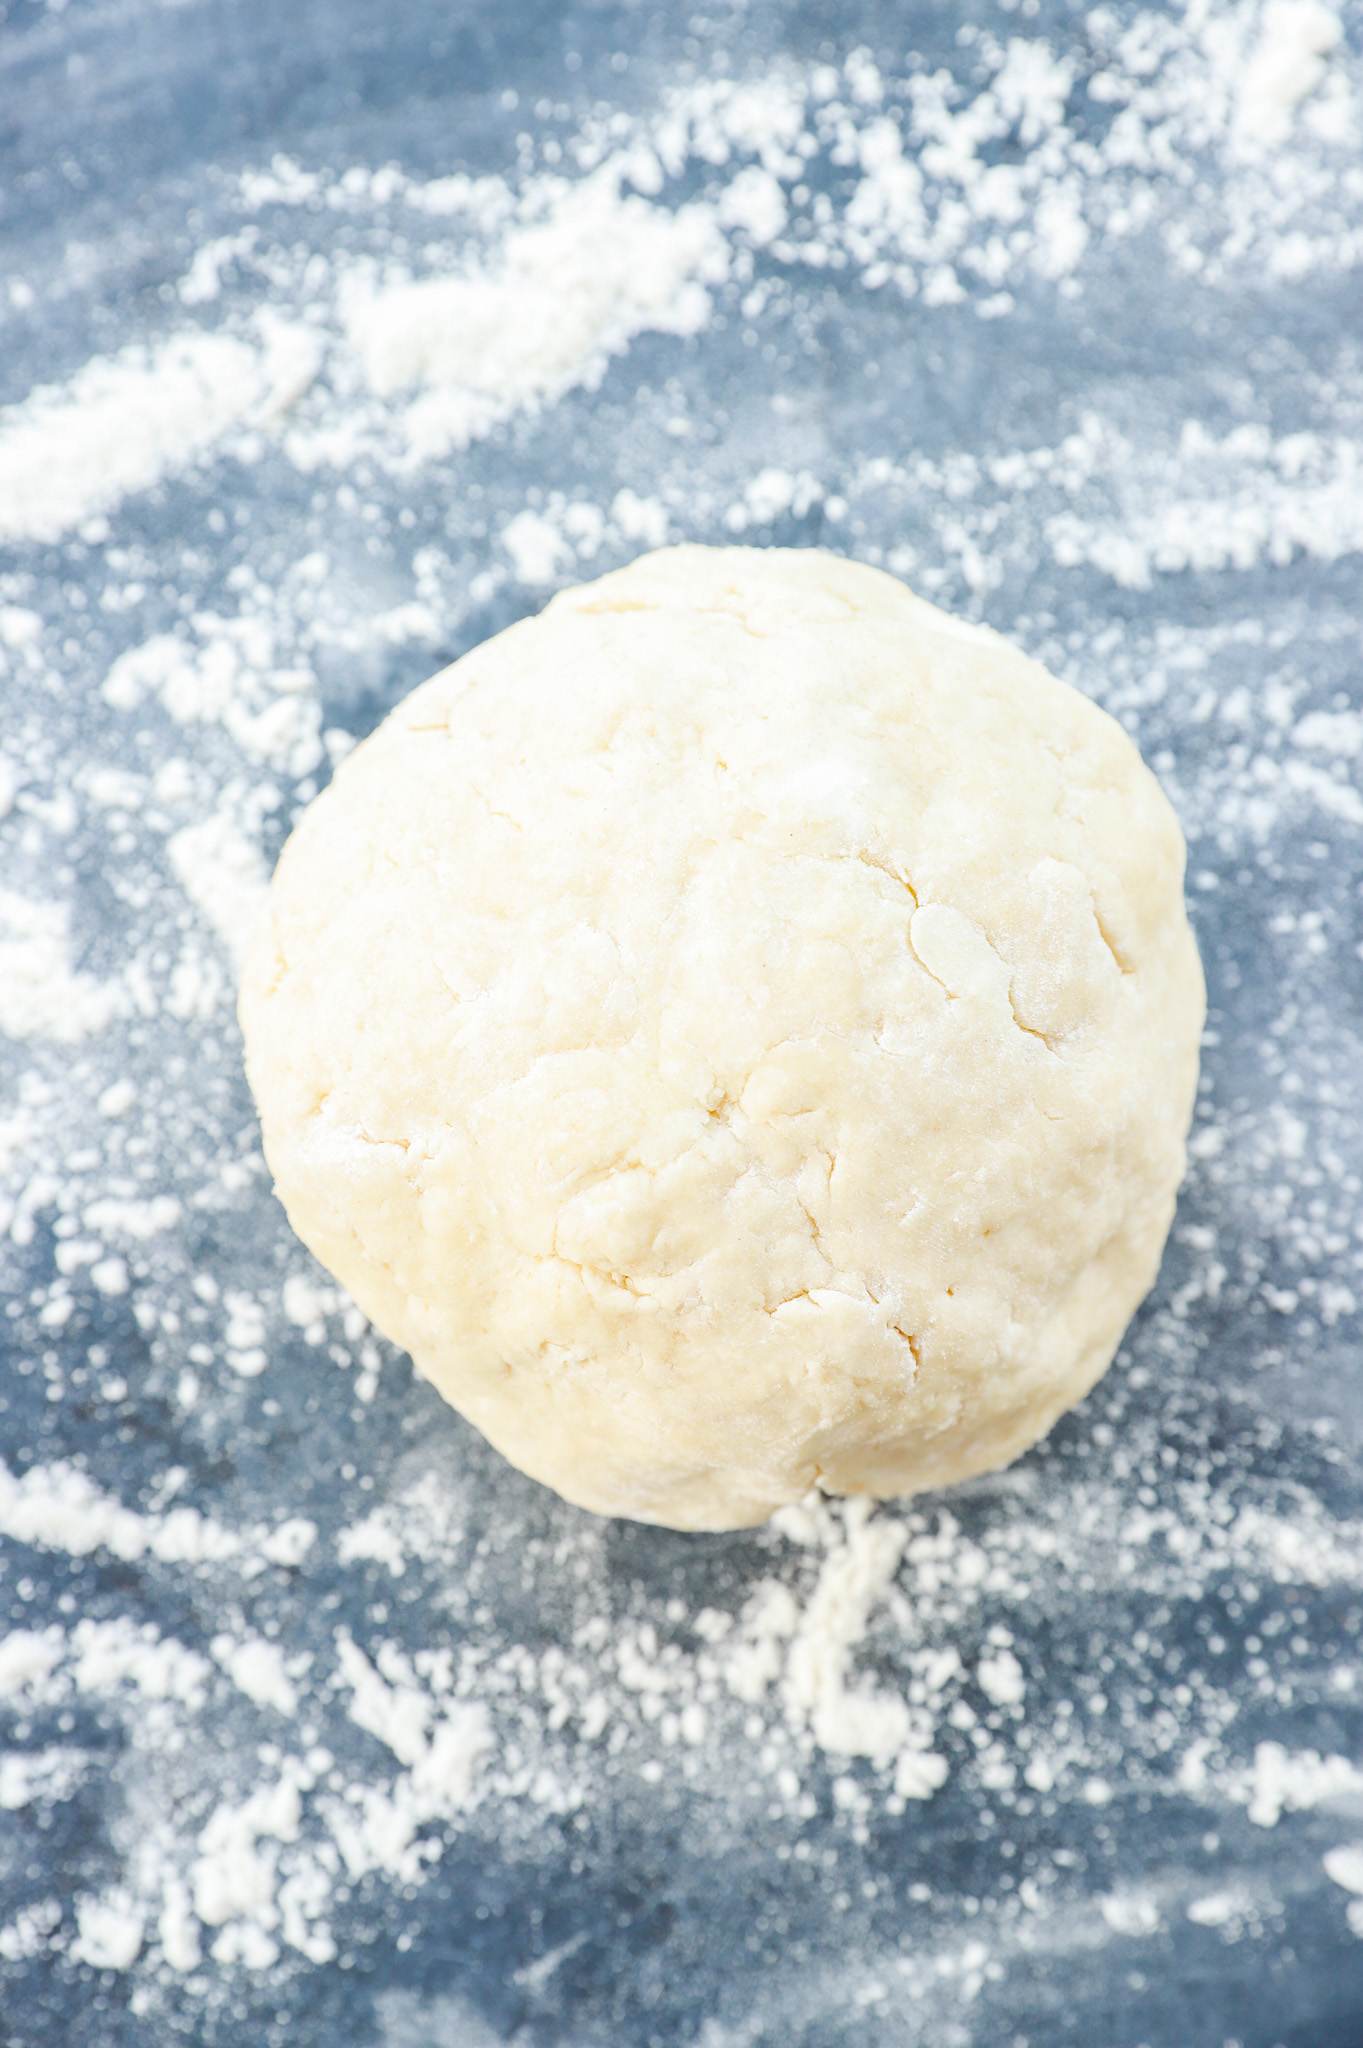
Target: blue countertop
x,y
1053,313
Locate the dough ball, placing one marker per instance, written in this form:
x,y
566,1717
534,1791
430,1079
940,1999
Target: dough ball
x,y
737,1031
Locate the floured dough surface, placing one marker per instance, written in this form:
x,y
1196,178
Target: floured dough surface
x,y
738,1031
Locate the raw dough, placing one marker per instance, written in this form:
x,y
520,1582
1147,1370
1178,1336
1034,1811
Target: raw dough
x,y
738,1031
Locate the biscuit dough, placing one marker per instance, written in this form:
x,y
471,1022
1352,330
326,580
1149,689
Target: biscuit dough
x,y
738,1031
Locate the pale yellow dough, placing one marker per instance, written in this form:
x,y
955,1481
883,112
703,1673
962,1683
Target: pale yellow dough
x,y
738,1031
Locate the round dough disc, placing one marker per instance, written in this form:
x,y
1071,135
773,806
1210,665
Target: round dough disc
x,y
738,1031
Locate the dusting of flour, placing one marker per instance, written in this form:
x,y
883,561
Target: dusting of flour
x,y
333,456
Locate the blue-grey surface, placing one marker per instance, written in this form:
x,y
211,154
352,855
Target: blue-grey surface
x,y
1113,407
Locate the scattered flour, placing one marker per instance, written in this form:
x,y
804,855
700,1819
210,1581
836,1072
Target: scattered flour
x,y
1286,66
1000,1678
1285,1782
1344,1867
554,274
110,1931
264,1866
105,1655
867,1656
585,269
27,1656
545,546
1130,1913
377,1537
26,1775
859,1721
223,875
41,995
32,1932
57,1507
120,425
257,1668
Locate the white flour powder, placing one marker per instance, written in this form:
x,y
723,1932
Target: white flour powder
x,y
166,730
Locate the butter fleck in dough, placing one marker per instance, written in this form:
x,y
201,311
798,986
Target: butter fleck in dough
x,y
738,1031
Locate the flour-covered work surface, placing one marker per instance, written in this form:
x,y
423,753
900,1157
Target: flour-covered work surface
x,y
329,346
